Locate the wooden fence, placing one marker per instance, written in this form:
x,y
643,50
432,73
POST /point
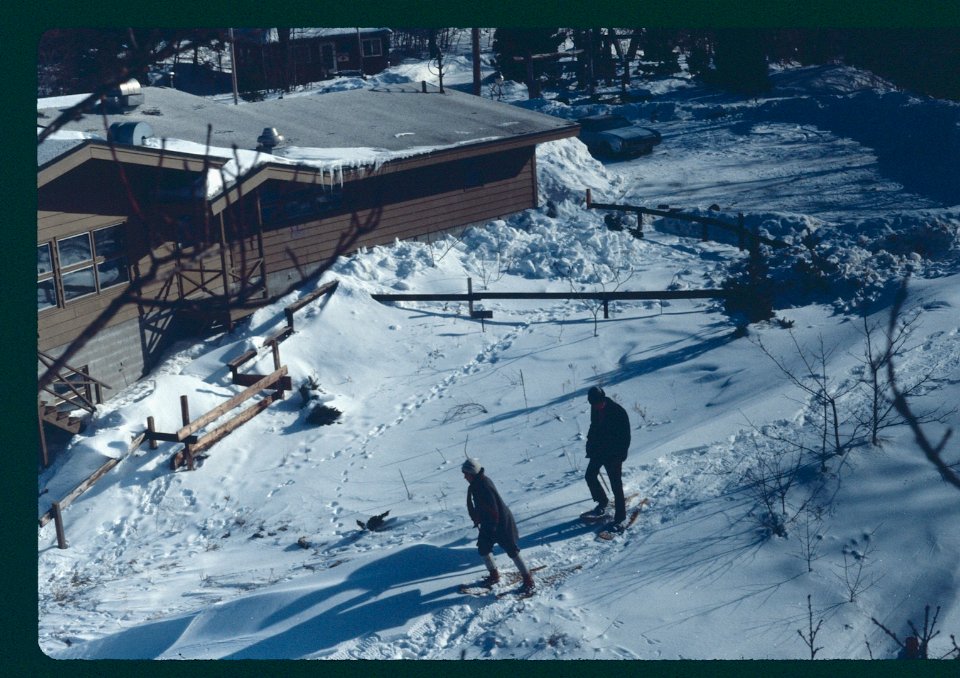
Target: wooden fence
x,y
193,444
744,235
603,296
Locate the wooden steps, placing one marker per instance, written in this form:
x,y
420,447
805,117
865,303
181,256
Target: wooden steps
x,y
61,419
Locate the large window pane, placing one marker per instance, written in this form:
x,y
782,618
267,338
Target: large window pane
x,y
113,272
108,242
78,283
74,250
46,294
44,259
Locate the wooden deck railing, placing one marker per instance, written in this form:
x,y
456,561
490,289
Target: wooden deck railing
x,y
84,390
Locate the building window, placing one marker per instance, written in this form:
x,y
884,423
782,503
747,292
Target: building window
x,y
80,265
78,283
111,264
46,286
371,47
288,206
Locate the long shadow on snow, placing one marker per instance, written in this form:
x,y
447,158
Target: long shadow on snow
x,y
372,609
625,372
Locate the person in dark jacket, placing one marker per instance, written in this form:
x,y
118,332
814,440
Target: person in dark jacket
x,y
608,440
496,523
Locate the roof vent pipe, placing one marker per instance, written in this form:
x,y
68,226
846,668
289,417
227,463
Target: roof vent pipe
x,y
269,139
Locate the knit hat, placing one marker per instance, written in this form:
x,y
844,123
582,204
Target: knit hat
x,y
471,466
595,395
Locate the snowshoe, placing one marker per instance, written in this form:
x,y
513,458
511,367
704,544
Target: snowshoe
x,y
595,514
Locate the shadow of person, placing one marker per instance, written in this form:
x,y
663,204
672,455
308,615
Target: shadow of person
x,y
381,595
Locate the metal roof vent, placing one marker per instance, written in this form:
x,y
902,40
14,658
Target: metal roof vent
x,y
133,133
125,96
268,139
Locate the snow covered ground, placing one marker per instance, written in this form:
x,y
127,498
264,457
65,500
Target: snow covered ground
x,y
257,554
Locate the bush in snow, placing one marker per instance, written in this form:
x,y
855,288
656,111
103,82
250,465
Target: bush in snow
x,y
323,415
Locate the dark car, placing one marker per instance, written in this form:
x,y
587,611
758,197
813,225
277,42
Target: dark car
x,y
608,134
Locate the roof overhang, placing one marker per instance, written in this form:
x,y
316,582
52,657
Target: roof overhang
x,y
94,149
309,175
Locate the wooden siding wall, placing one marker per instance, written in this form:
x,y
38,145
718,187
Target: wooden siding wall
x,y
415,203
91,196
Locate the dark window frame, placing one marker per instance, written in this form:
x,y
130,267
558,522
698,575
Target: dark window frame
x,y
97,265
47,278
375,47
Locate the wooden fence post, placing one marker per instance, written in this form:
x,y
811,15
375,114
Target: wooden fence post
x,y
470,295
44,455
185,417
58,523
151,428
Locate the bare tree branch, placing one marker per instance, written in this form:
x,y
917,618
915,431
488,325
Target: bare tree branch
x,y
932,451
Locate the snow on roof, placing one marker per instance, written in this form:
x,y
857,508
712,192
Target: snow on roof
x,y
330,130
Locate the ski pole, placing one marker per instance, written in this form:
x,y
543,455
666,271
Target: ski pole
x,y
604,482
